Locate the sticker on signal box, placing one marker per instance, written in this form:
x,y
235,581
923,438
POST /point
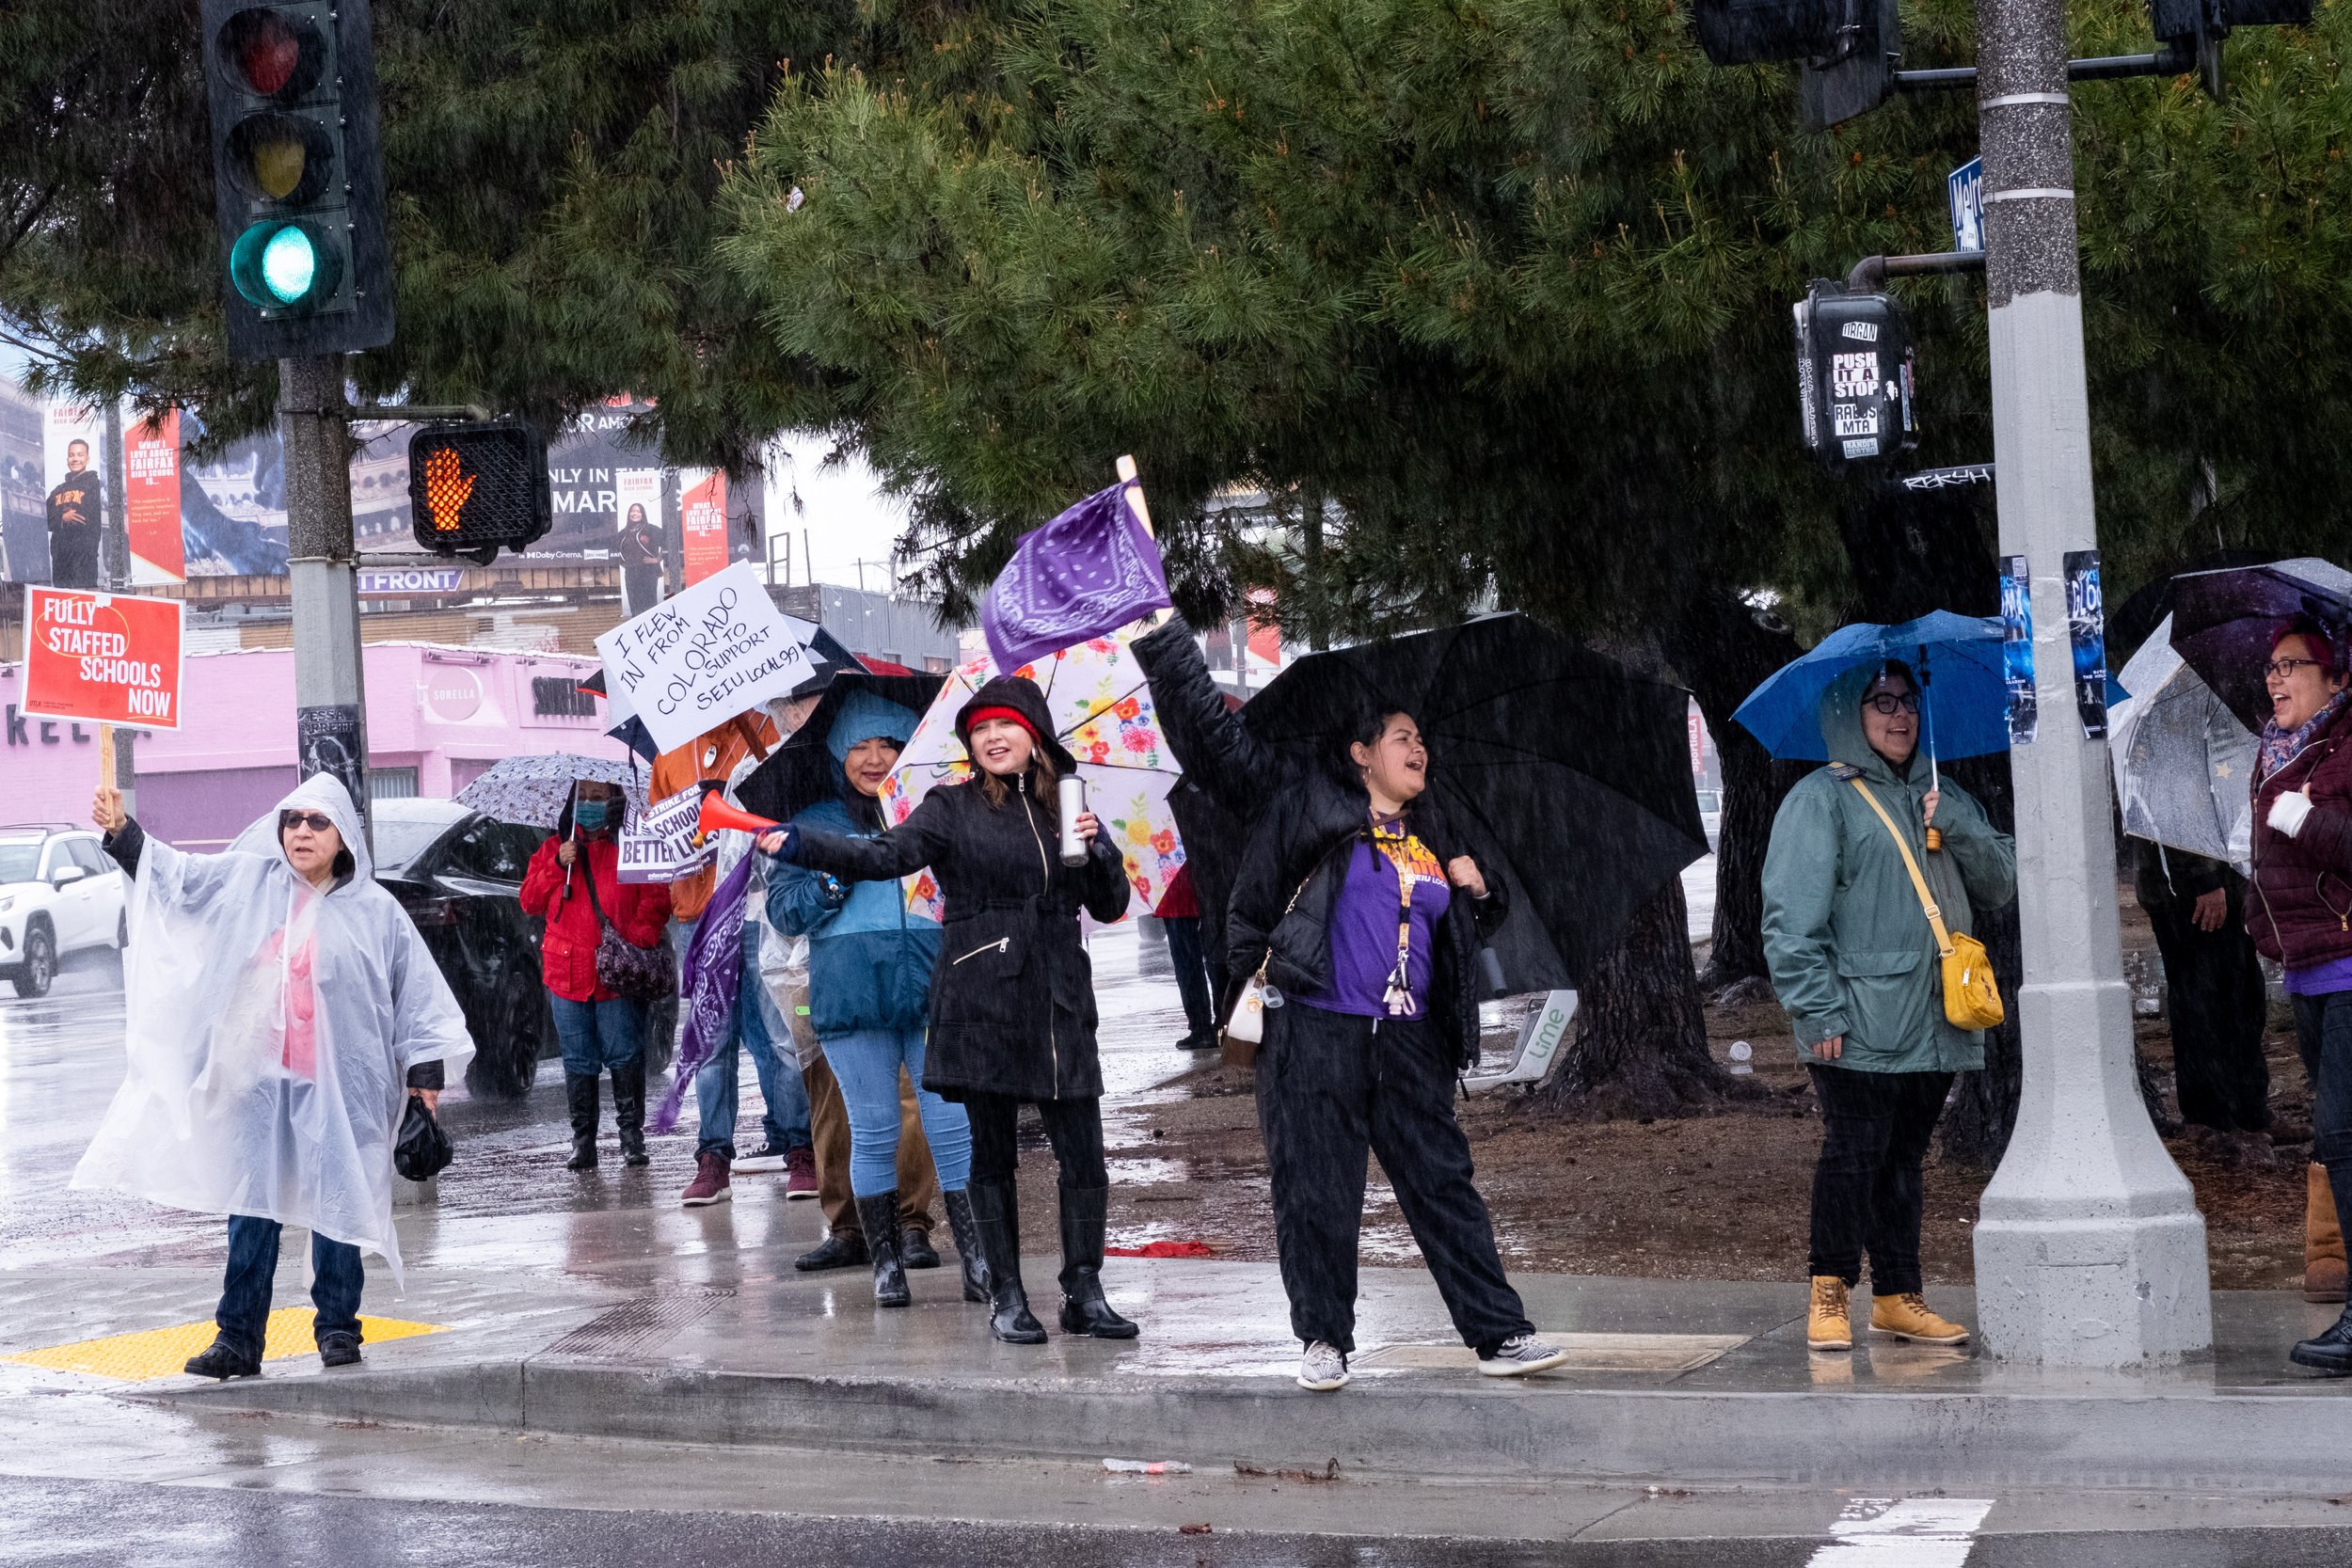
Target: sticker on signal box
x,y
106,659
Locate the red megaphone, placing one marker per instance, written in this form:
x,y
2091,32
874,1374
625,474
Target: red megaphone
x,y
716,814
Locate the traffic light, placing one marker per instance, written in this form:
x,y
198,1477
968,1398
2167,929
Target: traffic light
x,y
298,176
476,489
1849,47
2197,26
1854,377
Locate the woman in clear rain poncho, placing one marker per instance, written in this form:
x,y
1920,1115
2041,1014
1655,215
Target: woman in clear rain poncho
x,y
279,1007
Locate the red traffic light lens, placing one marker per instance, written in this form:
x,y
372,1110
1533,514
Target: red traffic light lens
x,y
272,54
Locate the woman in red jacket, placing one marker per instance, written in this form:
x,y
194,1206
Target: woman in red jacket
x,y
596,1029
2300,911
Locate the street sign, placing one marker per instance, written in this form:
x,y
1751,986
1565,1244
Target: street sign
x,y
1964,188
106,659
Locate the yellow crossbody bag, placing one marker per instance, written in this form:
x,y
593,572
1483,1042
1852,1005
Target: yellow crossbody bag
x,y
1971,999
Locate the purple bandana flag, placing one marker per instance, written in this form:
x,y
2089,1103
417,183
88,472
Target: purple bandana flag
x,y
708,984
1089,570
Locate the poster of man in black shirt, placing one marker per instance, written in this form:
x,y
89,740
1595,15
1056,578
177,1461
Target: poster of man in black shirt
x,y
74,518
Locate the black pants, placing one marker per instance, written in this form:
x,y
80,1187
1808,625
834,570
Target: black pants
x,y
1866,1187
1330,1087
1192,975
2323,1030
1074,1127
2217,1011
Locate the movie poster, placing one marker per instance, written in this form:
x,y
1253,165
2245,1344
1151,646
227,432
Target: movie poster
x,y
74,507
703,522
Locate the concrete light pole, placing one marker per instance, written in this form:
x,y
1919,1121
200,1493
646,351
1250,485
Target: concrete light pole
x,y
330,698
2090,1249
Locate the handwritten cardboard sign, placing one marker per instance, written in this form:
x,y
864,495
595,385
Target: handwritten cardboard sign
x,y
111,658
664,846
699,658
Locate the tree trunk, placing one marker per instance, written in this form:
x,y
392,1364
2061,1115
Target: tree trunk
x,y
1723,648
1640,1042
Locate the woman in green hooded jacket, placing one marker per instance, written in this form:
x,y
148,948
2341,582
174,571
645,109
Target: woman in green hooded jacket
x,y
1855,961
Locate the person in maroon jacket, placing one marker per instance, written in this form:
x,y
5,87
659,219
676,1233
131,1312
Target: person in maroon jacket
x,y
574,875
2300,913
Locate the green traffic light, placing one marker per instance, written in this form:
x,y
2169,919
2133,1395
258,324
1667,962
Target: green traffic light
x,y
283,267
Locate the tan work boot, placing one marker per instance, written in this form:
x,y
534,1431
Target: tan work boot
x,y
1906,1317
2323,1239
1825,1324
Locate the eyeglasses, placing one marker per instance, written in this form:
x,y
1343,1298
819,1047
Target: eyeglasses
x,y
1888,704
2281,668
317,821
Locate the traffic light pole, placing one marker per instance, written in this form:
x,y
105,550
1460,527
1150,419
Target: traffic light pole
x,y
330,697
2090,1249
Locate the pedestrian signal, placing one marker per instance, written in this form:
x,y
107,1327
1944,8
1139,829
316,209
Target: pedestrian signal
x,y
477,489
1849,48
298,180
1854,377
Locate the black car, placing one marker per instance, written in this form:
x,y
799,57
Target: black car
x,y
459,874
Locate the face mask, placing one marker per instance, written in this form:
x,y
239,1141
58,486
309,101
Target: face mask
x,y
589,815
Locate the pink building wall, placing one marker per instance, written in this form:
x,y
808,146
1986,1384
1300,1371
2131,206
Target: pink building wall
x,y
444,713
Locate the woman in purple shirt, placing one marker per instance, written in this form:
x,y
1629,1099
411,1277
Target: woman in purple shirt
x,y
1364,917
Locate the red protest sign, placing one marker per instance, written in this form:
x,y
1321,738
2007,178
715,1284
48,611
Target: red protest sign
x,y
108,659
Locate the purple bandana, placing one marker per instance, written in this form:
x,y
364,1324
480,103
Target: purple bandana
x,y
1089,570
708,984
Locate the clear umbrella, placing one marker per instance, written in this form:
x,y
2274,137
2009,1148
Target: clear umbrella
x,y
2182,759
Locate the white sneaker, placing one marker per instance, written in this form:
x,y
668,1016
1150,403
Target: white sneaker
x,y
1322,1369
1521,1355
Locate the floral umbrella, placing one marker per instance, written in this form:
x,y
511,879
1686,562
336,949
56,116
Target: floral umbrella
x,y
1102,710
531,790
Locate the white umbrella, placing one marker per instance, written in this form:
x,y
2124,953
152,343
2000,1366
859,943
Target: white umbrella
x,y
2182,759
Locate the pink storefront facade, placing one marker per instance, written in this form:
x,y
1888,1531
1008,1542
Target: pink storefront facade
x,y
437,718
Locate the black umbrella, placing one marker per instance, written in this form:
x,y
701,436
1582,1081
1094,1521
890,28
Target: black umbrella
x,y
2224,624
801,771
1564,772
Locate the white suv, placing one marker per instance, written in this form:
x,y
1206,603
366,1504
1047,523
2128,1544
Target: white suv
x,y
58,892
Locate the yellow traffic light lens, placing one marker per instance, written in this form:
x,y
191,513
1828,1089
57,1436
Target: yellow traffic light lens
x,y
280,157
272,54
447,488
284,266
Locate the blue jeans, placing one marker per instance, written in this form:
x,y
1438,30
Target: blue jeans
x,y
593,1036
244,1295
867,1065
786,1118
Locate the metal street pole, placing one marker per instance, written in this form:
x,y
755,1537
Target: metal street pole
x,y
330,697
2090,1248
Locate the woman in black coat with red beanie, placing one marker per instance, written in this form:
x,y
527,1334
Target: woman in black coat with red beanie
x,y
1012,996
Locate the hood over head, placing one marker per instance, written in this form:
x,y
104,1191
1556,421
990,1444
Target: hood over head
x,y
864,716
1021,694
323,792
1840,716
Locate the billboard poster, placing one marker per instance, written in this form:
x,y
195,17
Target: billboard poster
x,y
150,489
2017,649
643,545
74,508
2086,630
703,521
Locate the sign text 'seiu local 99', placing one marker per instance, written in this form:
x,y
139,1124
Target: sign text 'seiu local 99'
x,y
108,659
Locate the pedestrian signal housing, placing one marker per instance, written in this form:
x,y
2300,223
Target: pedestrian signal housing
x,y
297,176
1854,378
477,489
1849,48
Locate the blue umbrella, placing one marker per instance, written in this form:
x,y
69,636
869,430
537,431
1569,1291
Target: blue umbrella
x,y
1963,692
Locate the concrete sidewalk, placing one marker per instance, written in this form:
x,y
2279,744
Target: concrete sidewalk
x,y
1697,1382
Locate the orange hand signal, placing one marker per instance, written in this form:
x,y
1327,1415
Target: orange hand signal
x,y
446,487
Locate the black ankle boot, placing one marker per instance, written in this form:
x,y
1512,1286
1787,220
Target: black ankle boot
x,y
878,1216
2329,1352
579,1093
1082,1309
628,1109
224,1361
996,1217
967,1234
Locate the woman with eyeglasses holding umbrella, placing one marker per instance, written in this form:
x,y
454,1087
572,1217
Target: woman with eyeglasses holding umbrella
x,y
1855,960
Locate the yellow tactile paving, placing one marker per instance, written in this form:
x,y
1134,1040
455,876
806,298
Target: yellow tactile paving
x,y
155,1352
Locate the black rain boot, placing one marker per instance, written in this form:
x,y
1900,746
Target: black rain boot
x,y
2329,1352
878,1216
579,1093
629,1110
1082,1309
844,1250
967,1234
914,1248
996,1215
